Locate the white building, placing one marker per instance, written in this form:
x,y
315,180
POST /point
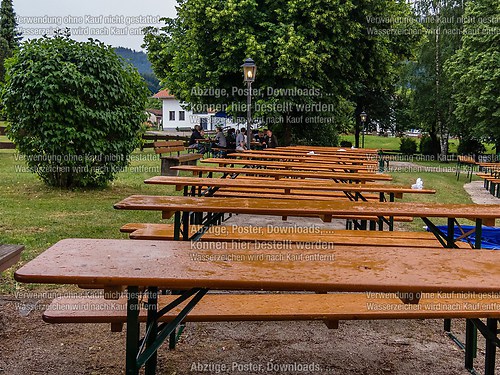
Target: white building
x,y
176,117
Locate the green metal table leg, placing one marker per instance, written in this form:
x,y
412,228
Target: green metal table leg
x,y
185,226
133,330
177,226
152,326
450,235
479,233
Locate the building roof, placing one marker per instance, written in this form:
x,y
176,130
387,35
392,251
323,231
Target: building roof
x,y
163,94
156,112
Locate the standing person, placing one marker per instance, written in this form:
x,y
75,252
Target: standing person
x,y
271,140
241,140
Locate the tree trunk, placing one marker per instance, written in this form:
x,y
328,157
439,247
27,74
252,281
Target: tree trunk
x,y
287,130
357,127
444,146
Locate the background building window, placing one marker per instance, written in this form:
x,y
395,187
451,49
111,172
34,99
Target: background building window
x,y
171,116
182,116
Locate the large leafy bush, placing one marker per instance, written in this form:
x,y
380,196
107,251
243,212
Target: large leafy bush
x,y
74,110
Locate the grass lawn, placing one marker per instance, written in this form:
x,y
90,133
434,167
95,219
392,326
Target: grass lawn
x,y
38,216
392,143
448,189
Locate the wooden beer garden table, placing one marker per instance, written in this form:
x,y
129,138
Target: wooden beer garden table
x,y
284,173
351,191
150,265
181,207
316,154
303,158
312,166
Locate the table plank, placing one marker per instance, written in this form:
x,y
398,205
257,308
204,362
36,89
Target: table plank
x,y
293,165
258,206
319,185
282,173
175,265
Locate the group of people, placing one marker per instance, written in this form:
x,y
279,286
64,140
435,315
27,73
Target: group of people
x,y
233,140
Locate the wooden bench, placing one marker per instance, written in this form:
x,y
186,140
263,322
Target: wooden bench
x,y
141,231
491,183
291,186
327,167
284,173
293,194
173,147
160,136
9,255
330,308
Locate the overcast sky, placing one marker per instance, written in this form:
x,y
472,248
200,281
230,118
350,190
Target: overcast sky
x,y
114,22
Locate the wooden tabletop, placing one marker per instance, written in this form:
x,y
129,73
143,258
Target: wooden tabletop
x,y
318,185
292,165
329,150
256,206
174,265
302,158
281,173
307,154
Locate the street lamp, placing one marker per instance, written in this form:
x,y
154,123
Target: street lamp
x,y
363,121
249,69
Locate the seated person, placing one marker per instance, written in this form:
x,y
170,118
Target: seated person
x,y
271,140
259,137
193,140
241,140
231,139
220,139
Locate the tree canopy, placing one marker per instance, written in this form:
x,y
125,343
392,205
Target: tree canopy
x,y
9,37
475,73
315,59
74,110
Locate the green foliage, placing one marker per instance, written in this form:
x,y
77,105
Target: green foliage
x,y
470,146
75,110
432,103
428,146
326,50
4,55
475,71
408,146
8,25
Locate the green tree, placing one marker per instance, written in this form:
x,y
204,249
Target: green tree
x,y
475,71
313,57
8,25
432,102
4,55
74,110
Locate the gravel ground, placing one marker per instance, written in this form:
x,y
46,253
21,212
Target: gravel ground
x,y
30,346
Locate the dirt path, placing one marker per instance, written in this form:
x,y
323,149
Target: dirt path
x,y
479,194
29,346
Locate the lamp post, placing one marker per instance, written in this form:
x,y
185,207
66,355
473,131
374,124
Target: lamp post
x,y
249,69
363,121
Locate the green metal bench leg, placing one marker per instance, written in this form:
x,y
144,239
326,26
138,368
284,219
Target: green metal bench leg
x,y
489,364
152,324
133,331
470,344
447,325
